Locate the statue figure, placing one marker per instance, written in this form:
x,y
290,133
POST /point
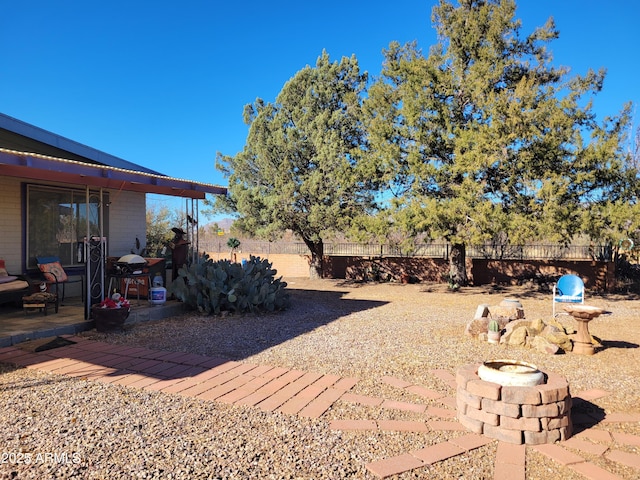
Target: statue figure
x,y
179,251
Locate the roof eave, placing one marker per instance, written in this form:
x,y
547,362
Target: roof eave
x,y
42,167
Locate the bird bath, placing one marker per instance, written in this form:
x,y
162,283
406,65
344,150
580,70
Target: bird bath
x,y
583,314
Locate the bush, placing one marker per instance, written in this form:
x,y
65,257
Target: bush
x,y
213,287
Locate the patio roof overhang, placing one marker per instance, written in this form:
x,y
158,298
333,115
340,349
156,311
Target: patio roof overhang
x,y
35,166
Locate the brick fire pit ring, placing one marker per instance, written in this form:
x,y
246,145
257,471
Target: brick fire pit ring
x,y
532,415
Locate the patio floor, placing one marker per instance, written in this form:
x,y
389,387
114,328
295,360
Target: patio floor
x,y
17,326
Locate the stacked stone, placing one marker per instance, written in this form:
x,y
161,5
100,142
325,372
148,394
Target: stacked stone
x,y
514,414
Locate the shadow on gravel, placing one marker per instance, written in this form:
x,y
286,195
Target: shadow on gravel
x,y
617,344
26,383
242,336
190,344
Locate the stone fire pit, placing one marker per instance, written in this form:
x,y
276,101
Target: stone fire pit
x,y
532,415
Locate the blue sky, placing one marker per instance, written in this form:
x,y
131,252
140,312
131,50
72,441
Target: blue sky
x,y
163,84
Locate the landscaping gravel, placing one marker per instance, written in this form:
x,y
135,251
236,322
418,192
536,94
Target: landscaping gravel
x,y
75,428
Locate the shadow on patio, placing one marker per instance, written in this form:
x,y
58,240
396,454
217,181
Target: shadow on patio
x,y
17,326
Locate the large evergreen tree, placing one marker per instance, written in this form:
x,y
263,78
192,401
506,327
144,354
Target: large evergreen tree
x,y
299,169
484,135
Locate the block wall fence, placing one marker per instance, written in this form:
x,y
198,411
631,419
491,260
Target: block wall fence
x,y
598,276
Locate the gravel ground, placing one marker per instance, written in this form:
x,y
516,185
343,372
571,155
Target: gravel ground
x,y
354,330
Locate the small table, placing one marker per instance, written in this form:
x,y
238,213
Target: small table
x,y
40,301
128,278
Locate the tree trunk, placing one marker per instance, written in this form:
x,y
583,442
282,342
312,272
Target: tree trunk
x,y
317,257
458,265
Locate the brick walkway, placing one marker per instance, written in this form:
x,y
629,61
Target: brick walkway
x,y
309,394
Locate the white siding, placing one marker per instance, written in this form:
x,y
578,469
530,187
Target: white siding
x,y
127,219
11,224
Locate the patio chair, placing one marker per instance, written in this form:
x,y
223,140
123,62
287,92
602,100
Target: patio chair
x,y
54,274
569,289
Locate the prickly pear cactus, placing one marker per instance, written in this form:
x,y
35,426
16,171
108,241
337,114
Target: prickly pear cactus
x,y
212,287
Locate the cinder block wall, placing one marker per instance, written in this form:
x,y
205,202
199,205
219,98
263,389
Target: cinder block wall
x,y
599,276
286,265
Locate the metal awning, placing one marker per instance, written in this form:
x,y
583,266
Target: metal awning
x,y
34,166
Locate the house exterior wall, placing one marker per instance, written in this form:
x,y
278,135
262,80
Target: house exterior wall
x,y
127,219
11,239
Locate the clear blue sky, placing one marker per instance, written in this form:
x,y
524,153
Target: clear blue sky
x,y
163,84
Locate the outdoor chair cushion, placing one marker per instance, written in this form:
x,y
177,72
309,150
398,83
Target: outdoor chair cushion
x,y
569,289
53,272
14,286
3,269
11,283
7,278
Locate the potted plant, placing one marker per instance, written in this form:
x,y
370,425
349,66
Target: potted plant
x,y
111,313
493,334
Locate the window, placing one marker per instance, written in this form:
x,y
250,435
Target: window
x,y
57,222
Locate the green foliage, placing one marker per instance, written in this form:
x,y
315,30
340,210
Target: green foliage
x,y
484,136
494,326
213,287
159,234
233,243
300,169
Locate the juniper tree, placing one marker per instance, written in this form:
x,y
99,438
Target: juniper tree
x,y
299,168
485,135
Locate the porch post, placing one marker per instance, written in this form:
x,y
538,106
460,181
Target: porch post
x,y
87,255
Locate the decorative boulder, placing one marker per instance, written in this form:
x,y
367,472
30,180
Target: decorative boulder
x,y
508,312
477,326
557,337
517,337
542,345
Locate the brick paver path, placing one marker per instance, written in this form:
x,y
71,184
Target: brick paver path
x,y
311,394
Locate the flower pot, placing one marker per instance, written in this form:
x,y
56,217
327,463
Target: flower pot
x,y
109,319
493,337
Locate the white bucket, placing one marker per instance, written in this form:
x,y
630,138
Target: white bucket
x,y
157,295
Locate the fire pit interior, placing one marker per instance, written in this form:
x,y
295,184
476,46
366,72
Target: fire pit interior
x,y
510,372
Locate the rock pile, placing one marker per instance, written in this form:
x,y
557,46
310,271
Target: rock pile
x,y
547,336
